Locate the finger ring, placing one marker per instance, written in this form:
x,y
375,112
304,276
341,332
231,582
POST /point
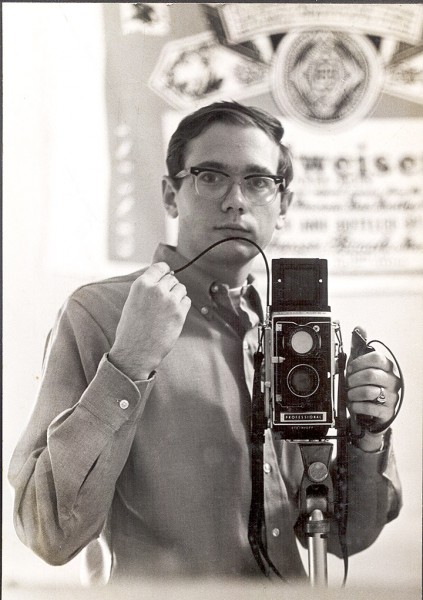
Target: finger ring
x,y
381,399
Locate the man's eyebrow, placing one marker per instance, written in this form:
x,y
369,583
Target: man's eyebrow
x,y
213,165
253,168
249,169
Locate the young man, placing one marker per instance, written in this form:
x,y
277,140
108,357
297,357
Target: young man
x,y
138,447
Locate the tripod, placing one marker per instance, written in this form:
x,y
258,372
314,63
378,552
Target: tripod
x,y
316,497
316,506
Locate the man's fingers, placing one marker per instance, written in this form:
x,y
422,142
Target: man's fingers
x,y
370,393
371,400
375,360
156,272
371,409
179,291
373,377
168,281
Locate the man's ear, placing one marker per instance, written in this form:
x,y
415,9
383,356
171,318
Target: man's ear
x,y
286,199
169,196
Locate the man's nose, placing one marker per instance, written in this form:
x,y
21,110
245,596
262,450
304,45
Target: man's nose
x,y
234,198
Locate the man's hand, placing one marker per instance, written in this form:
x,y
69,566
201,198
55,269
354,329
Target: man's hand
x,y
151,322
373,391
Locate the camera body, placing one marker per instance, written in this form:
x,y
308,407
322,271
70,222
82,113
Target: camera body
x,y
300,351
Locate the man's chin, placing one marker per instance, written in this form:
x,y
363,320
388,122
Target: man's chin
x,y
236,236
240,249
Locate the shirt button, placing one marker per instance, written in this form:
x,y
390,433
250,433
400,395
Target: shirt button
x,y
204,310
267,468
275,532
124,404
246,345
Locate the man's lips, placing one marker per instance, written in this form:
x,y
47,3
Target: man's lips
x,y
233,228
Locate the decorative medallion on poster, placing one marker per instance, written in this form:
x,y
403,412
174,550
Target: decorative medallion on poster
x,y
326,77
198,70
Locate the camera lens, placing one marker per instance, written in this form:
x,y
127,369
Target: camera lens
x,y
302,341
303,380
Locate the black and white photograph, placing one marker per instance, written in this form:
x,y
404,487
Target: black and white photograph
x,y
212,300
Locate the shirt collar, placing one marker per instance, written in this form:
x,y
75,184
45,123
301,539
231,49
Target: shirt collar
x,y
198,283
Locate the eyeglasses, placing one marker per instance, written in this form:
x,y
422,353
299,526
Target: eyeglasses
x,y
212,184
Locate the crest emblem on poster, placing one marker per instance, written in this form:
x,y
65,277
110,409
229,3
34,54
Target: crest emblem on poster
x,y
197,69
326,77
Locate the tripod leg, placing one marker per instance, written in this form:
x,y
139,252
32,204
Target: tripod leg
x,y
317,550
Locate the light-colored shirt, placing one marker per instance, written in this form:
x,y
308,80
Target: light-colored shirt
x,y
153,478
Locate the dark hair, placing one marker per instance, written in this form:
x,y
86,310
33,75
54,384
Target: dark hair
x,y
225,112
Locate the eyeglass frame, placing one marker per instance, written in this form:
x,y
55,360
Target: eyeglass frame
x,y
197,170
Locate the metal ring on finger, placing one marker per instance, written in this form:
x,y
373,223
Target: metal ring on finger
x,y
381,398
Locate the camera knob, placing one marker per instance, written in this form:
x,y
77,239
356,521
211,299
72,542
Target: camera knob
x,y
317,471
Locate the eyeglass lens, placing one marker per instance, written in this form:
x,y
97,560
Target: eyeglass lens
x,y
213,186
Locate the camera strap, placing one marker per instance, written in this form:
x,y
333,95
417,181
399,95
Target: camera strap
x,y
256,524
341,470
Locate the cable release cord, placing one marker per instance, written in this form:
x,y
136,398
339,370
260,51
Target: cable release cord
x,y
341,468
256,514
191,262
401,396
370,423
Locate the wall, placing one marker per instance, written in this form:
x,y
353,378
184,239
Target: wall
x,y
56,178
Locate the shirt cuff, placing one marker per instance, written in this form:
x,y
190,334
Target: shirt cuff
x,y
368,465
381,462
140,382
112,398
375,460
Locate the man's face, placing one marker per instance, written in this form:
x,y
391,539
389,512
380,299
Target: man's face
x,y
237,151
